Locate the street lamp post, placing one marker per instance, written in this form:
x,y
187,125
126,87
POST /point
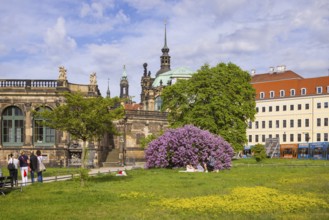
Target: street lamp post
x,y
123,146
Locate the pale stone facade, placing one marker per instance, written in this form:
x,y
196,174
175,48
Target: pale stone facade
x,y
18,98
291,108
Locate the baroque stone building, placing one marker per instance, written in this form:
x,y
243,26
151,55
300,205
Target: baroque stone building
x,y
152,87
20,130
145,118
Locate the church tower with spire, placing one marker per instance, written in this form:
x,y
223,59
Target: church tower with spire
x,y
165,58
152,87
124,85
108,93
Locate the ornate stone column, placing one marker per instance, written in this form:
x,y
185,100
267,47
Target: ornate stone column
x,y
28,125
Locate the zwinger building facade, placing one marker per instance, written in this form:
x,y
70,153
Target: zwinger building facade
x,y
20,130
289,108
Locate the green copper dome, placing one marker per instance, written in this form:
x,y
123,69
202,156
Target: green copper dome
x,y
172,75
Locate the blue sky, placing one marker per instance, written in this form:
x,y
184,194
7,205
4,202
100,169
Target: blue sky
x,y
101,36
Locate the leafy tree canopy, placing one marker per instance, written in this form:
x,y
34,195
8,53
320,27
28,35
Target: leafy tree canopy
x,y
85,118
219,99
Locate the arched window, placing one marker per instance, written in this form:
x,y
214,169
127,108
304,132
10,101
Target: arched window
x,y
42,135
158,103
12,127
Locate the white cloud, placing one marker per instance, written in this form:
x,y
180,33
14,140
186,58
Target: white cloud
x,y
57,40
96,8
102,36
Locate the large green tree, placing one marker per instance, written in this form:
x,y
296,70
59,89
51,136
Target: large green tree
x,y
219,99
85,118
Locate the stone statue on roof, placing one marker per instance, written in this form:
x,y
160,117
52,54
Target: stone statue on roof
x,y
62,73
93,80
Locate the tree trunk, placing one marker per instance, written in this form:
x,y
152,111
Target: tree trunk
x,y
83,171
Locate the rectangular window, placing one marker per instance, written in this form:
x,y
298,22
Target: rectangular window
x,y
291,107
262,95
325,137
318,105
299,137
318,122
250,138
307,106
257,110
270,136
307,137
277,124
256,138
263,124
291,137
270,108
269,124
263,109
50,135
284,108
319,90
256,125
291,123
284,123
263,138
325,122
299,123
284,137
318,137
325,104
250,125
303,91
299,106
307,122
277,108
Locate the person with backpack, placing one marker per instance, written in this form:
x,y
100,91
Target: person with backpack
x,y
12,167
41,166
24,167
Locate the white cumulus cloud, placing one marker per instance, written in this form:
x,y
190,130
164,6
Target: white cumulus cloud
x,y
57,40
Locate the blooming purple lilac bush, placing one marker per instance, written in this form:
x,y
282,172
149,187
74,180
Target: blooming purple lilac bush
x,y
189,144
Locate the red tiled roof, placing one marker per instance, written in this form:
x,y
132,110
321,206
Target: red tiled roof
x,y
275,76
132,106
310,84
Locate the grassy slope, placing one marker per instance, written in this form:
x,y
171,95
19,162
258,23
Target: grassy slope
x,y
140,194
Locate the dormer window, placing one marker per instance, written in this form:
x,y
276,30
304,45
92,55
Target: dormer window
x,y
262,95
292,92
319,90
303,91
282,93
272,93
327,89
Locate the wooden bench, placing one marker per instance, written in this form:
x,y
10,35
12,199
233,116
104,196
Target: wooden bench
x,y
7,184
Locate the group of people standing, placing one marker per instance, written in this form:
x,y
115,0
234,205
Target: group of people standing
x,y
27,165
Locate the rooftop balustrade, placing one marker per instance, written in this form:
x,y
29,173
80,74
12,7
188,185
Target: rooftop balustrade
x,y
22,83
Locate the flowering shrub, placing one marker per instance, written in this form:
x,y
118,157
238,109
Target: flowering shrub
x,y
246,200
189,144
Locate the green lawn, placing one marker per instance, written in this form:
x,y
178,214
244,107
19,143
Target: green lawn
x,y
274,190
